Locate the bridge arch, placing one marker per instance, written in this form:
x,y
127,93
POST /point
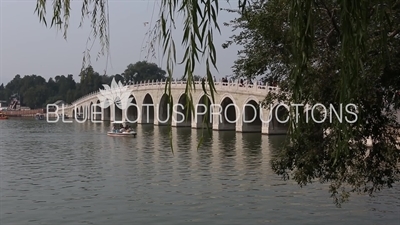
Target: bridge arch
x,y
86,110
251,115
118,112
203,111
147,109
90,110
82,112
107,112
184,117
229,115
97,110
279,123
79,113
132,112
164,116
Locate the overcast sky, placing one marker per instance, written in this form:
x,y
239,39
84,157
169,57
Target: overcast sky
x,y
28,47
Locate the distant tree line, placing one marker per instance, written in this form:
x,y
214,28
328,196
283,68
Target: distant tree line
x,y
35,92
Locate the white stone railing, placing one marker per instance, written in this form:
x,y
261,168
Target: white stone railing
x,y
231,86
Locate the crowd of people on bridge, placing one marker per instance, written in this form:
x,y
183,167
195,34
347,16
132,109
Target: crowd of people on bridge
x,y
243,82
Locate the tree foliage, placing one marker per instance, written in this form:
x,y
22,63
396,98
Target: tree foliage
x,y
35,92
142,71
363,72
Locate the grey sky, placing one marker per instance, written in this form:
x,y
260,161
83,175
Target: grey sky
x,y
28,47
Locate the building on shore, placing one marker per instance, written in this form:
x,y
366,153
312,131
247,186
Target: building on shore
x,y
3,105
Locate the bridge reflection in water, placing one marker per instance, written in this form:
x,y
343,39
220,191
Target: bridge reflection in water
x,y
223,151
85,177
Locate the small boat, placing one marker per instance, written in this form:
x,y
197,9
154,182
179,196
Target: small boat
x,y
39,116
3,116
79,116
121,131
65,116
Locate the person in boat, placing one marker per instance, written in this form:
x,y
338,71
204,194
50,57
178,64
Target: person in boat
x,y
127,128
121,128
116,129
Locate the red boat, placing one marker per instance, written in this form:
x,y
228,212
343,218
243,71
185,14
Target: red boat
x,y
3,116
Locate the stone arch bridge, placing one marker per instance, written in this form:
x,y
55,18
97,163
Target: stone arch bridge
x,y
236,107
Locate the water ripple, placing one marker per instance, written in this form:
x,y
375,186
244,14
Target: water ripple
x,y
74,174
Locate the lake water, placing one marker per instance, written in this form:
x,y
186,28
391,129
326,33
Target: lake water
x,y
75,174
